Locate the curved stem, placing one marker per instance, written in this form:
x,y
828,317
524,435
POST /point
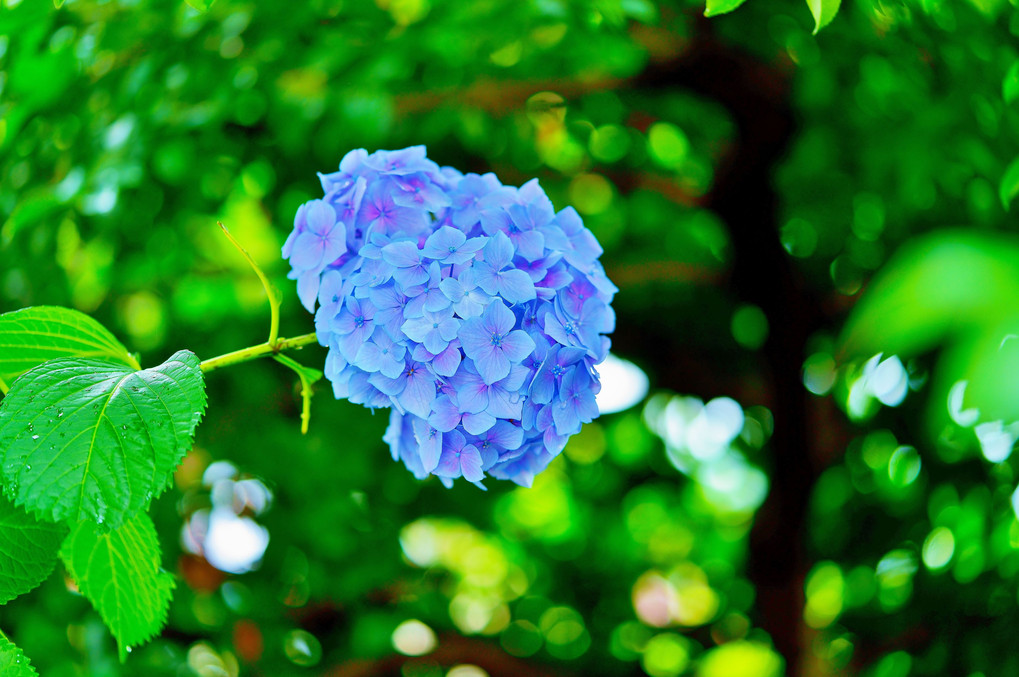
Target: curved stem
x,y
255,352
275,298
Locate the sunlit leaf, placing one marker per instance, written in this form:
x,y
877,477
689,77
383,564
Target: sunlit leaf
x,y
824,11
957,291
13,662
28,550
946,283
85,438
716,7
200,5
120,572
30,336
1009,186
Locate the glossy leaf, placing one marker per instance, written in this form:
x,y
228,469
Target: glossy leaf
x,y
824,11
28,550
716,7
13,662
120,573
89,439
30,336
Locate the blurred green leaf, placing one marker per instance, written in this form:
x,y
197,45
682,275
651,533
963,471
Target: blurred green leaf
x,y
1010,85
824,11
28,550
83,438
13,662
58,3
946,283
200,5
958,290
716,7
1009,187
30,336
120,573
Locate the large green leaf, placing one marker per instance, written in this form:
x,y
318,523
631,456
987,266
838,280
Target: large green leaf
x,y
30,336
120,572
28,550
12,661
824,11
89,439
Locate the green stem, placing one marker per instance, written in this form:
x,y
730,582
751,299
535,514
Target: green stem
x,y
255,352
275,298
308,378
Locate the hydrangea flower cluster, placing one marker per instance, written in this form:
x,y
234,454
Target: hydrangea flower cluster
x,y
472,309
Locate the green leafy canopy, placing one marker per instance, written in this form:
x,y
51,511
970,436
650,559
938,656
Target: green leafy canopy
x,y
119,572
85,438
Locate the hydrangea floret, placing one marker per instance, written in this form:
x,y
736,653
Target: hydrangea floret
x,y
473,310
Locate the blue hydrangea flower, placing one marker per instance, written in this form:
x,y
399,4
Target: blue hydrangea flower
x,y
474,310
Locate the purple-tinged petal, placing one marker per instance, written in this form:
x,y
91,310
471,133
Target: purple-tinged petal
x,y
307,289
445,414
417,397
517,345
470,464
515,286
402,254
448,361
498,252
478,423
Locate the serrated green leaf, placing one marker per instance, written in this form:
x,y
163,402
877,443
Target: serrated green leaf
x,y
200,5
28,550
716,7
1009,186
120,573
1010,85
13,662
30,336
823,11
88,439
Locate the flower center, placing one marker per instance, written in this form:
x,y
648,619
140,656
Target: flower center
x,y
359,321
569,328
497,340
557,371
435,325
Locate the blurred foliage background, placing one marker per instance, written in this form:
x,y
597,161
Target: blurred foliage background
x,y
817,271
